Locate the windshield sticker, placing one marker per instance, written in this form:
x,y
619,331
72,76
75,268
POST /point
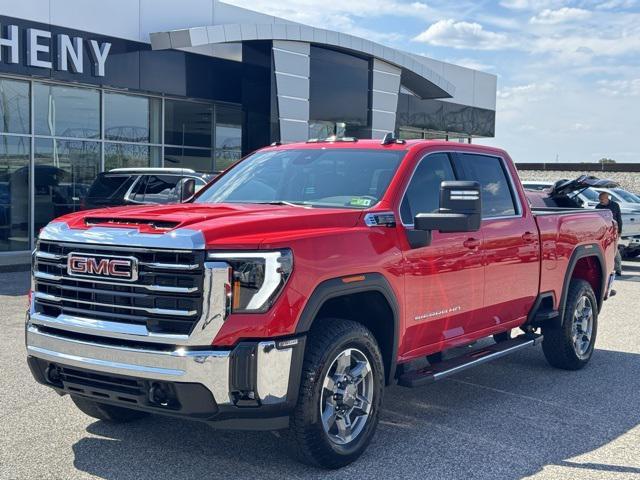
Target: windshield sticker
x,y
360,202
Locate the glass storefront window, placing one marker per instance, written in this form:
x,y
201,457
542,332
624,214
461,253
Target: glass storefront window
x,y
132,118
14,193
188,123
131,155
228,137
66,111
68,145
63,173
195,158
14,106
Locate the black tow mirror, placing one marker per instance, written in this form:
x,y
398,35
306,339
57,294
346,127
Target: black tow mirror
x,y
460,209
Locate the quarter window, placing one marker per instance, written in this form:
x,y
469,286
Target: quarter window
x,y
423,193
497,196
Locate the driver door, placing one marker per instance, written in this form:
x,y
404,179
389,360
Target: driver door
x,y
444,281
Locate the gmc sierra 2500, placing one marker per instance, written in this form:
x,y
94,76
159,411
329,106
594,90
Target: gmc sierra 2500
x,y
297,284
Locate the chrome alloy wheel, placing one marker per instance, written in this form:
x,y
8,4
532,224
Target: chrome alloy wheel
x,y
347,396
582,327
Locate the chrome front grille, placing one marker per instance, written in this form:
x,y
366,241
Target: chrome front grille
x,y
166,299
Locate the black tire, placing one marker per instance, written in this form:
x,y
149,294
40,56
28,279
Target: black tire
x,y
107,413
558,344
502,336
310,443
628,254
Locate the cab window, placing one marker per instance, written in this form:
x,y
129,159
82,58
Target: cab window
x,y
498,199
423,192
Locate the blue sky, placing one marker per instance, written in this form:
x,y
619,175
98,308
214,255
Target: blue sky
x,y
568,70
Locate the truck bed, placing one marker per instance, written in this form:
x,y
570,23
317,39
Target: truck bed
x,y
561,231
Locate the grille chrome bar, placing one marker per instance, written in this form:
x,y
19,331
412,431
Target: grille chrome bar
x,y
170,266
155,311
153,288
49,256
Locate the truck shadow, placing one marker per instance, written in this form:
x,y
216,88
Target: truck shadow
x,y
504,420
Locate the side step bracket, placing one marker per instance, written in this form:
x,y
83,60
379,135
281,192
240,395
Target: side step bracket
x,y
417,378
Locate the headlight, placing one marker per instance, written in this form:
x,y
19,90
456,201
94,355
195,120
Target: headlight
x,y
257,278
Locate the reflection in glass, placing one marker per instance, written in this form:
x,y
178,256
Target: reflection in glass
x,y
63,173
197,159
339,90
66,111
131,118
14,193
187,123
228,137
14,106
130,155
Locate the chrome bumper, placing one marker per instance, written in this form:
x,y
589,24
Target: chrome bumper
x,y
211,368
627,242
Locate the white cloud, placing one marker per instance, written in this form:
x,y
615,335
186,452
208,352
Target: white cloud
x,y
562,15
530,4
471,63
463,35
620,88
616,4
530,91
584,46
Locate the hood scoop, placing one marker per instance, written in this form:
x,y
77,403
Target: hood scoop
x,y
161,225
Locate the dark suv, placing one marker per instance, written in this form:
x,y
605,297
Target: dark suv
x,y
142,186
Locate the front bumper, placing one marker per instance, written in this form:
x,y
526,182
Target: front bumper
x,y
255,380
630,242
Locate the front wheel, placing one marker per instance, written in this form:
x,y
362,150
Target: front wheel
x,y
571,345
340,394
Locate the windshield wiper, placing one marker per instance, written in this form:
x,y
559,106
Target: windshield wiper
x,y
283,202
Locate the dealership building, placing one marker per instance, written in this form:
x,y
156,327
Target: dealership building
x,y
88,85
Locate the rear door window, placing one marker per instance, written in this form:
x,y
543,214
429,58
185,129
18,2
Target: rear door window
x,y
498,198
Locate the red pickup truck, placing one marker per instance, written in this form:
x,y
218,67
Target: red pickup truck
x,y
304,279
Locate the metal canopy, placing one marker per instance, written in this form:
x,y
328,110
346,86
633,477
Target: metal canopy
x,y
418,77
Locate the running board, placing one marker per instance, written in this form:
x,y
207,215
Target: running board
x,y
423,376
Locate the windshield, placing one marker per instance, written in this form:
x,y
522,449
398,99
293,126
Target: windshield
x,y
624,195
338,177
590,194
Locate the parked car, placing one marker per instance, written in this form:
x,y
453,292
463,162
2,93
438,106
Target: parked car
x,y
304,279
144,186
625,199
630,208
586,197
583,192
536,184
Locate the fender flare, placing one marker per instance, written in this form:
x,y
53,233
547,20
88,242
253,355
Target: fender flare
x,y
582,251
336,287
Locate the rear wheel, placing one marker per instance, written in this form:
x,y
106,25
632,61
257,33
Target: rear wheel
x,y
571,345
340,395
108,413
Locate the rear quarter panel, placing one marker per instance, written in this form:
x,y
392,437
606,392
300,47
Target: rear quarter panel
x,y
562,233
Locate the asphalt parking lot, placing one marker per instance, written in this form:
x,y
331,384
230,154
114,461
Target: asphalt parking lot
x,y
510,419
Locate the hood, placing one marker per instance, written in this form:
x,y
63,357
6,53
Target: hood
x,y
565,187
238,225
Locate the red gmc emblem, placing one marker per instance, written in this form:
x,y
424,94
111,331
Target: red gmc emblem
x,y
120,268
